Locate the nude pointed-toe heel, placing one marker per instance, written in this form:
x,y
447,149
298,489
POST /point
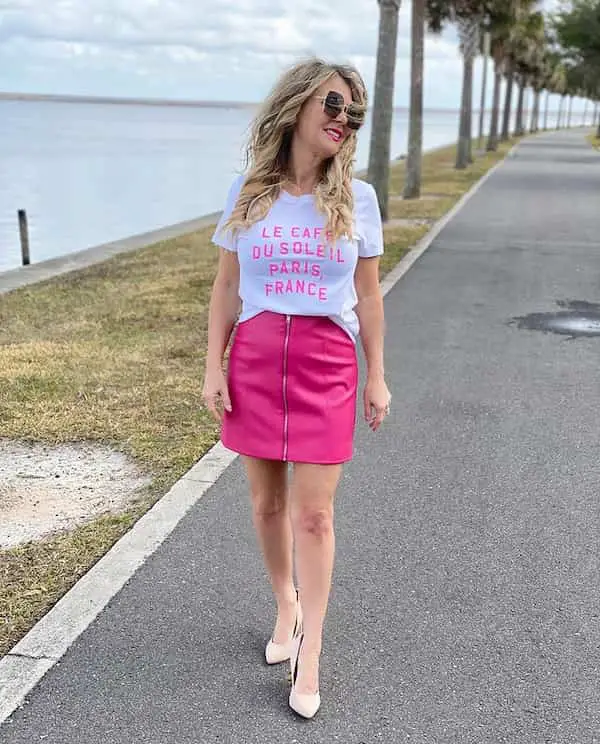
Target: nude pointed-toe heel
x,y
275,653
304,704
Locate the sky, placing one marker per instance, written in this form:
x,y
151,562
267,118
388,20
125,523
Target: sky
x,y
217,50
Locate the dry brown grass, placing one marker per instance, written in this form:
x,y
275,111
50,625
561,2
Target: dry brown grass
x,y
114,354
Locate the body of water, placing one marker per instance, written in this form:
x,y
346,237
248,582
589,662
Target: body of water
x,y
89,173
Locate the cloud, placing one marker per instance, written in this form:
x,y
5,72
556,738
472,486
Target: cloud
x,y
245,25
193,48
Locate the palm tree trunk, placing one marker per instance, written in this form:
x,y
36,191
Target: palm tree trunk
x,y
492,144
546,110
535,115
507,104
462,151
570,112
534,110
560,108
378,171
519,127
468,33
412,187
469,122
486,54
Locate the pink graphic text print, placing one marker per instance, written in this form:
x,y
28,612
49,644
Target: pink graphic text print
x,y
295,257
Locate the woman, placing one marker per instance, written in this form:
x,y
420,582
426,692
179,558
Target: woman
x,y
300,242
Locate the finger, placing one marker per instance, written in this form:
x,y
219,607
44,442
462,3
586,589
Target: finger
x,y
211,404
378,418
367,407
215,411
226,399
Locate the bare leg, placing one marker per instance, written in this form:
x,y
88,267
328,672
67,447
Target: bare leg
x,y
312,494
270,515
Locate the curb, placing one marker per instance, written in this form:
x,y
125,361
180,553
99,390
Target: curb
x,y
40,271
45,644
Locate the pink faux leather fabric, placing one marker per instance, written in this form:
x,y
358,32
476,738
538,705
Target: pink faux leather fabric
x,y
293,383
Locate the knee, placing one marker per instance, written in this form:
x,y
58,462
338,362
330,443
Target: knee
x,y
317,522
268,506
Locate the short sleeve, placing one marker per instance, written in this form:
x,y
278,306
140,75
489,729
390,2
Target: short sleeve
x,y
224,238
368,226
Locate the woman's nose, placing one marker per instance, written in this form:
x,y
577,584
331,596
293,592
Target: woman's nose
x,y
342,117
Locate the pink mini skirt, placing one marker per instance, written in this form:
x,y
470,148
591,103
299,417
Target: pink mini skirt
x,y
292,382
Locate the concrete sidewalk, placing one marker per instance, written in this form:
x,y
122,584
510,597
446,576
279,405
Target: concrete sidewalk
x,y
465,599
42,270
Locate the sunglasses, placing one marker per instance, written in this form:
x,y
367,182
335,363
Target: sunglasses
x,y
333,105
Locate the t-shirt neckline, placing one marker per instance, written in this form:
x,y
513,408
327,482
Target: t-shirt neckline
x,y
293,199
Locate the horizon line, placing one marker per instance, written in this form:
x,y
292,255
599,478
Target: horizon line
x,y
79,98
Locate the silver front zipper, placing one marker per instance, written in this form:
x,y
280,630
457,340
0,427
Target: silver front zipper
x,y
288,322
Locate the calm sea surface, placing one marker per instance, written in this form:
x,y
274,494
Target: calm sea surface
x,y
89,173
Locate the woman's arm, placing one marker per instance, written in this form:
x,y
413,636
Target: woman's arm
x,y
369,310
370,313
222,313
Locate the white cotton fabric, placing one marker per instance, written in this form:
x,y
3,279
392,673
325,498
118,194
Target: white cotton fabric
x,y
287,263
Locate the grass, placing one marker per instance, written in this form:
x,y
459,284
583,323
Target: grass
x,y
594,140
114,354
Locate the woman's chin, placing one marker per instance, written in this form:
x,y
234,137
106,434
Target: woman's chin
x,y
328,147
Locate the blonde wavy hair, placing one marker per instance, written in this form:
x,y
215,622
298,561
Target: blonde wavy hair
x,y
269,147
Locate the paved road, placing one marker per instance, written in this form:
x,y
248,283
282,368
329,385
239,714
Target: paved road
x,y
465,607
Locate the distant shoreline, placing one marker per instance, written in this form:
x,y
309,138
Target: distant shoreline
x,y
65,98
58,98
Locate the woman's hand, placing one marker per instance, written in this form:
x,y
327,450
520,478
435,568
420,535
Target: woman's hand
x,y
377,399
215,393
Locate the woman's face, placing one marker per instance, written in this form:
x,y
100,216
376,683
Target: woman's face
x,y
318,131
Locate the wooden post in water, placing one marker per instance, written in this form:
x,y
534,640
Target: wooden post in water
x,y
24,233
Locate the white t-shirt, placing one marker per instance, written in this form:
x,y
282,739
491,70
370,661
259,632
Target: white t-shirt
x,y
287,264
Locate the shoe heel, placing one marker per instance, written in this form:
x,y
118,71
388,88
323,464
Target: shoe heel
x,y
275,653
304,704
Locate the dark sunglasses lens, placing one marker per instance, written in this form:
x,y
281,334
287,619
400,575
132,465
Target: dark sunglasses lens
x,y
356,117
334,104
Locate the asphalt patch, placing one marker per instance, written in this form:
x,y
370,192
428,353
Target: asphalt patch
x,y
578,319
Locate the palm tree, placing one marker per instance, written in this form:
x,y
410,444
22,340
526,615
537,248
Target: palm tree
x,y
485,51
552,80
538,67
577,30
502,17
412,188
523,9
510,79
468,15
575,84
498,57
539,78
468,33
560,87
378,171
527,45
